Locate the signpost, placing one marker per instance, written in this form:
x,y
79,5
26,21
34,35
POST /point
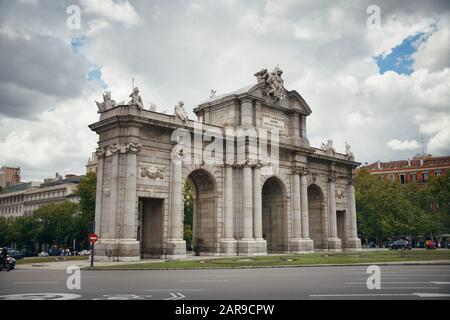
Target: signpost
x,y
92,239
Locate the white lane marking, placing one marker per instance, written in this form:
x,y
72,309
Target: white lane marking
x,y
176,296
40,296
156,290
41,282
389,278
433,295
393,282
439,282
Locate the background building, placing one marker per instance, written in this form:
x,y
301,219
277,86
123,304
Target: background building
x,y
418,169
9,176
31,196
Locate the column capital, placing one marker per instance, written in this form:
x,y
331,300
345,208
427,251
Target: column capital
x,y
303,171
133,147
331,177
351,180
100,152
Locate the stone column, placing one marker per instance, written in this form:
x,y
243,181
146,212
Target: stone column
x,y
176,246
247,244
128,244
308,242
246,112
334,243
257,210
353,243
296,206
228,242
299,242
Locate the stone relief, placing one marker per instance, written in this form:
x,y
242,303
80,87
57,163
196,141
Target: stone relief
x,y
348,153
107,103
136,99
181,112
339,194
274,83
152,171
212,94
133,147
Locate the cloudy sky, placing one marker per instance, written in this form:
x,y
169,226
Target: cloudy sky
x,y
381,87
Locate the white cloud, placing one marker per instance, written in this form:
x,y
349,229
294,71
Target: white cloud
x,y
402,145
121,11
179,50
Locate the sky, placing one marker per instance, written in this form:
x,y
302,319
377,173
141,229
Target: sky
x,y
380,82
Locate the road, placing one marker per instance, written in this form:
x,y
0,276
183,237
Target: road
x,y
397,282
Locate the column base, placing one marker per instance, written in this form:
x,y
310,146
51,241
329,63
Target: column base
x,y
175,249
117,250
334,244
353,244
261,247
301,245
229,247
247,247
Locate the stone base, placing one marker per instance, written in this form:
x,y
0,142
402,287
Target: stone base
x,y
261,247
229,247
334,244
247,247
301,245
117,250
175,249
353,244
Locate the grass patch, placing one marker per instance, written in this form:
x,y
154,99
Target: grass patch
x,y
50,259
294,259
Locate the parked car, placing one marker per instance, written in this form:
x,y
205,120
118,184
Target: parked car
x,y
43,254
400,244
16,254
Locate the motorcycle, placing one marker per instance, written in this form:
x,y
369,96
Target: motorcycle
x,y
9,264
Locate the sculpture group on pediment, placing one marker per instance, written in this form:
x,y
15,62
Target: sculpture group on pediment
x,y
274,83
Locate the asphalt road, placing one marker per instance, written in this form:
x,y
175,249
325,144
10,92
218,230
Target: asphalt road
x,y
397,282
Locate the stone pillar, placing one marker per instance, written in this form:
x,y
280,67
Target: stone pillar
x,y
128,245
257,210
176,246
308,242
353,243
300,241
229,244
246,112
116,221
247,244
334,243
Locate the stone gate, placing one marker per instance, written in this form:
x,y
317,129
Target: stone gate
x,y
290,198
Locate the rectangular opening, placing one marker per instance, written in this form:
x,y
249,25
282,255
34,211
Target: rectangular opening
x,y
150,233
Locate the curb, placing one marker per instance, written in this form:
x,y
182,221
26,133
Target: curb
x,y
401,263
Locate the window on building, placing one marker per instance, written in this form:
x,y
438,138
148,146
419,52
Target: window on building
x,y
391,177
414,177
426,176
402,179
437,173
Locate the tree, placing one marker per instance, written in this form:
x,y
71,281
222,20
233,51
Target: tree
x,y
86,190
188,199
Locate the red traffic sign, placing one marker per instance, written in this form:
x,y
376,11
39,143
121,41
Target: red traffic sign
x,y
93,237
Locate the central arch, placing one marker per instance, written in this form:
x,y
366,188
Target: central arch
x,y
315,214
274,215
204,194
